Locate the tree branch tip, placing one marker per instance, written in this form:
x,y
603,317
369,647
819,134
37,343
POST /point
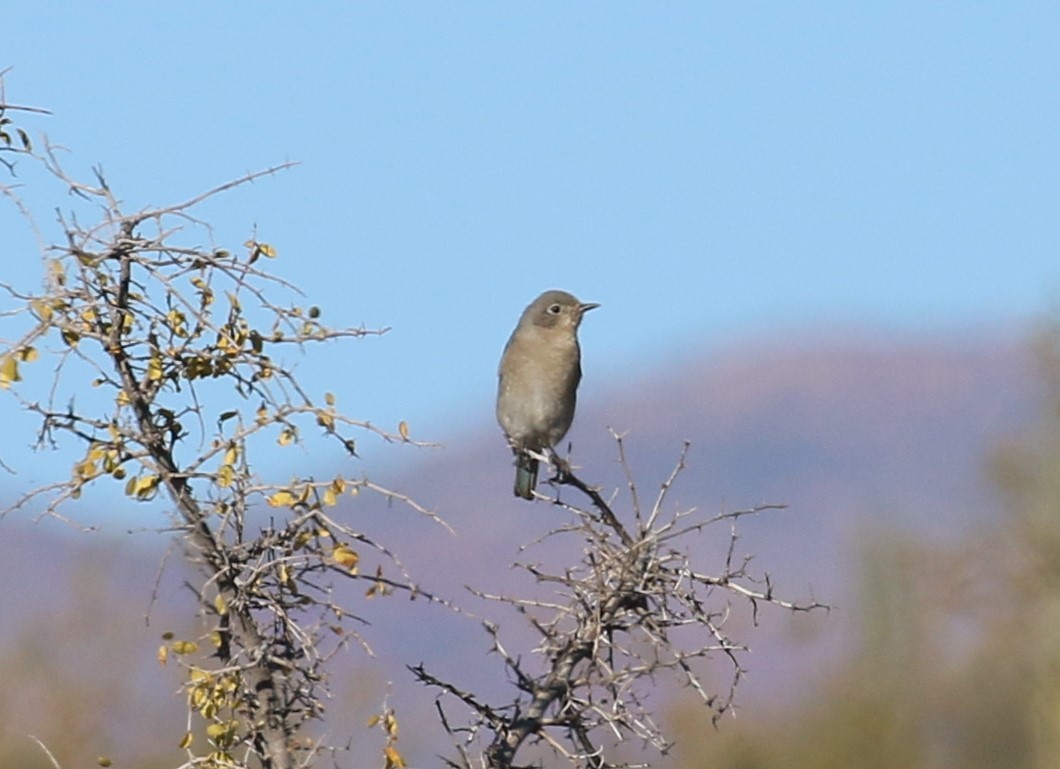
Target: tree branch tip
x,y
22,107
48,753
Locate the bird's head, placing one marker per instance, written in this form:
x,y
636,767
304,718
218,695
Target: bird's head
x,y
557,310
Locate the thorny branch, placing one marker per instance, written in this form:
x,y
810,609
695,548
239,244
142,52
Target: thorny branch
x,y
636,610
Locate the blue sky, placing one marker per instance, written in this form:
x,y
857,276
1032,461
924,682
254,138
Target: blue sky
x,y
708,172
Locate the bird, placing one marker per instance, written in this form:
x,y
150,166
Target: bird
x,y
538,381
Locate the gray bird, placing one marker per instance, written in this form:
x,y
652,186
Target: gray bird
x,y
539,374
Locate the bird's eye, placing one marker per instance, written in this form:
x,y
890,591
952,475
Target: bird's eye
x,y
555,309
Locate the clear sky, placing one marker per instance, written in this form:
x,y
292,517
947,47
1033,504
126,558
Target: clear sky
x,y
706,171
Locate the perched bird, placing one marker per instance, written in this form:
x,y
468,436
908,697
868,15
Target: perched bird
x,y
539,374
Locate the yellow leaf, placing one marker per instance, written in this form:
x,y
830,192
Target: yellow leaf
x,y
259,249
186,741
58,273
154,368
162,654
104,761
185,647
28,354
403,430
111,460
282,498
390,724
329,398
220,605
9,371
393,758
223,731
225,476
42,310
86,469
144,487
345,557
330,497
286,437
176,320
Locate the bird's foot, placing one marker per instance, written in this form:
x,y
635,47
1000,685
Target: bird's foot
x,y
540,456
560,465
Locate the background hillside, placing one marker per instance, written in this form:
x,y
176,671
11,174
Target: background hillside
x,y
867,441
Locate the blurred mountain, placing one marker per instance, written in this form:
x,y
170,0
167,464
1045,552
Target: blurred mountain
x,y
856,435
849,433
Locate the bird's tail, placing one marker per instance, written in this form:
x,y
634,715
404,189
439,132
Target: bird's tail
x,y
525,475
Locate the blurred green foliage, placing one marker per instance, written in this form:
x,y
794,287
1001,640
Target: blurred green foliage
x,y
958,659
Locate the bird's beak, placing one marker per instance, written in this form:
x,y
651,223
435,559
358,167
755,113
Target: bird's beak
x,y
584,308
